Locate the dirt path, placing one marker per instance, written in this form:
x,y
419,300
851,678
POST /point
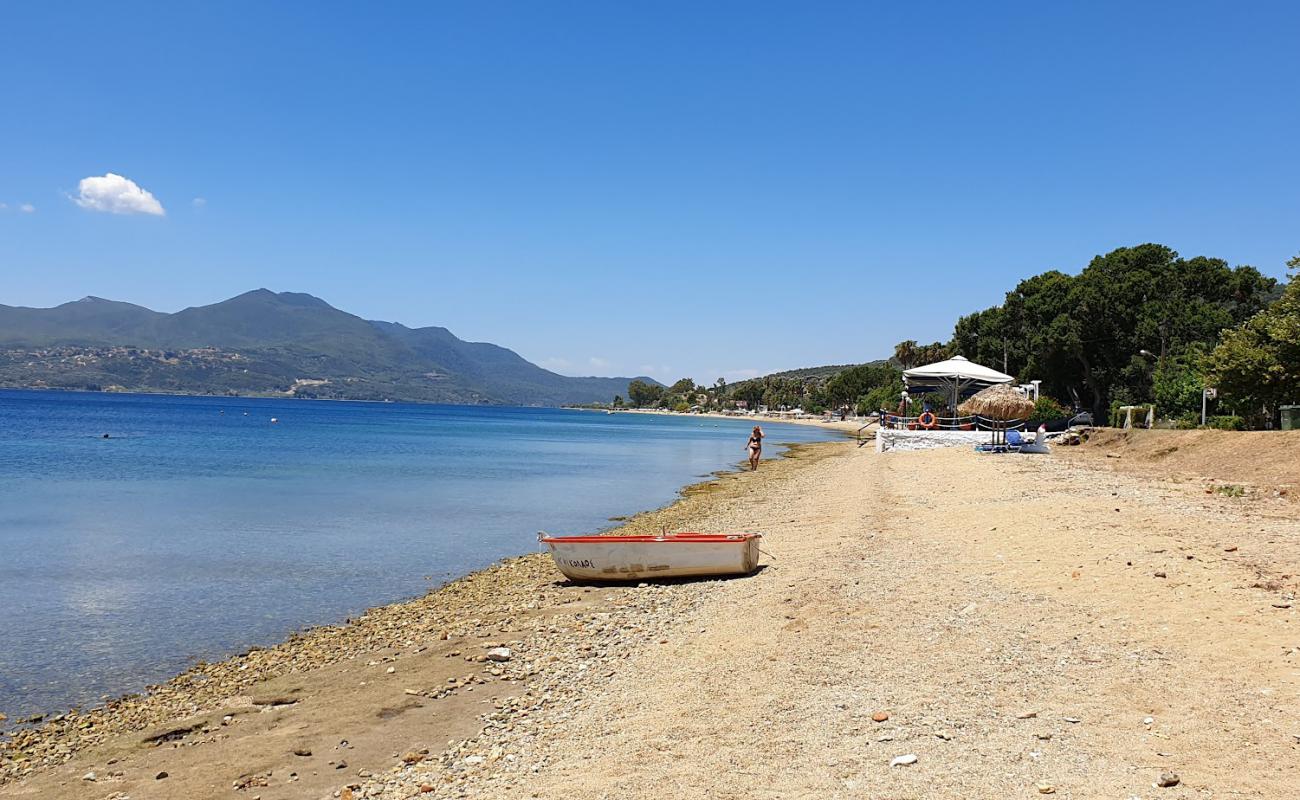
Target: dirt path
x,y
1030,626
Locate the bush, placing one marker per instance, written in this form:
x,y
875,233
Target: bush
x,y
1227,422
1045,410
1177,383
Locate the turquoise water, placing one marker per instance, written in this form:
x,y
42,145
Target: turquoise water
x,y
200,527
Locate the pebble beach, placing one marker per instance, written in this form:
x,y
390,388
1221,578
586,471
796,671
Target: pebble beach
x,y
924,625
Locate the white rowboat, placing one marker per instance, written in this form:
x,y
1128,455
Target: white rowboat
x,y
632,558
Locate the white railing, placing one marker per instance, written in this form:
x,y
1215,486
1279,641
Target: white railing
x,y
934,422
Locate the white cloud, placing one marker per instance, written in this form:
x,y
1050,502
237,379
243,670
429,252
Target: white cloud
x,y
27,208
115,194
3,206
733,375
199,202
597,362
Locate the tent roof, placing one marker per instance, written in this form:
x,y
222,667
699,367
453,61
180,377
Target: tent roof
x,y
955,368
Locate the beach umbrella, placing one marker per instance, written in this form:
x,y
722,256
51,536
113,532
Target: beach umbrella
x,y
999,402
955,376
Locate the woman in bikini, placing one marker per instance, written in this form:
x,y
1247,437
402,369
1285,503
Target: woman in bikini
x,y
755,447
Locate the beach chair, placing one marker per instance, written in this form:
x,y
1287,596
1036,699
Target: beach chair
x,y
1014,441
1038,445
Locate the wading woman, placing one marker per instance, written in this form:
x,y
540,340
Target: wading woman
x,y
755,447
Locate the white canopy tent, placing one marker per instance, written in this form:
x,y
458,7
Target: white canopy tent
x,y
955,377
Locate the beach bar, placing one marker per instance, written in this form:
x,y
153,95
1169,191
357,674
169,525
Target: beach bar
x,y
955,379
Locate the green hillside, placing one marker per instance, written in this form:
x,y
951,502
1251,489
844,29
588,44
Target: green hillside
x,y
267,343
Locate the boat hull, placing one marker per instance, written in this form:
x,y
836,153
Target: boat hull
x,y
634,558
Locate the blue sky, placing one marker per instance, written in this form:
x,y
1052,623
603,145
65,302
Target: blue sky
x,y
696,189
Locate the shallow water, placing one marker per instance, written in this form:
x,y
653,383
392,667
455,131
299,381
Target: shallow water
x,y
200,527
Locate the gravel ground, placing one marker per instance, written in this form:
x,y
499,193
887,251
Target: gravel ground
x,y
927,625
1020,626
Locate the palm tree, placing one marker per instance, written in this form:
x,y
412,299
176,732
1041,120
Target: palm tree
x,y
905,353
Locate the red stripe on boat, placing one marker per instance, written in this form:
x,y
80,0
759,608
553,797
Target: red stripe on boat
x,y
678,538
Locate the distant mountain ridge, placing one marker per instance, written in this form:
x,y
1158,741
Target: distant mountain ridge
x,y
268,343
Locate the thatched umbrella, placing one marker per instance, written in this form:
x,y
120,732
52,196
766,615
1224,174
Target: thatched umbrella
x,y
1000,403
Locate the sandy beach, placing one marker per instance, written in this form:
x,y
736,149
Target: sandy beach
x,y
926,625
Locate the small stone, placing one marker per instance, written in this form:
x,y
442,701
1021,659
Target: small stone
x,y
391,670
1161,574
89,776
474,760
499,654
302,751
1073,720
1027,715
160,775
412,757
1232,548
880,716
903,761
1046,788
1043,737
1168,780
1148,720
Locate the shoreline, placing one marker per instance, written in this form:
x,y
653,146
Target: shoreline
x,y
1083,639
28,751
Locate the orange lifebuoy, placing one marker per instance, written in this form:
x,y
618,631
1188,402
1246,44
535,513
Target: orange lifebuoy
x,y
928,420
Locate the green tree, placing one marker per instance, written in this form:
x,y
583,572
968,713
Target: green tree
x,y
644,394
1082,335
1257,365
1177,384
685,386
905,354
847,386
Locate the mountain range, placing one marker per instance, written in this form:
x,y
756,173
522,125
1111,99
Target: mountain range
x,y
270,344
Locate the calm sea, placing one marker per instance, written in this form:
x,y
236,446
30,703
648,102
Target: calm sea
x,y
201,527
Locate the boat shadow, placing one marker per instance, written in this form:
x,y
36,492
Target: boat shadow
x,y
568,583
